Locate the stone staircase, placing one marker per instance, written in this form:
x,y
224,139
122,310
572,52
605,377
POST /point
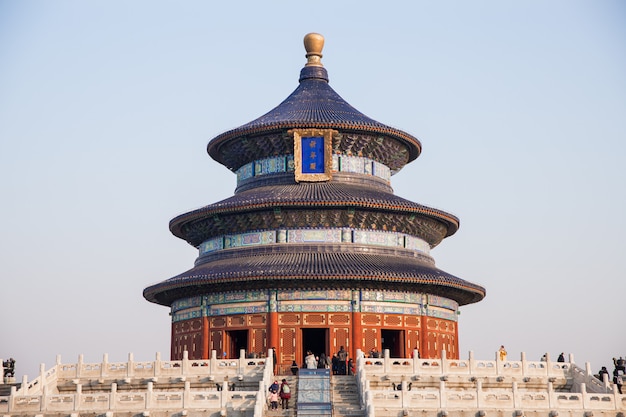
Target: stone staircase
x,y
345,396
291,412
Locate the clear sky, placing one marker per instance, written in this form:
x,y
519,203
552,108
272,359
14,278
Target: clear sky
x,y
106,108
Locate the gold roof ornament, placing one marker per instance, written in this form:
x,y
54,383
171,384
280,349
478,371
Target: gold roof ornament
x,y
314,43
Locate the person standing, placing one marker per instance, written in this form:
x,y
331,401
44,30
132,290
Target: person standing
x,y
342,355
561,357
502,353
274,400
323,361
294,368
274,359
285,394
310,361
335,364
603,372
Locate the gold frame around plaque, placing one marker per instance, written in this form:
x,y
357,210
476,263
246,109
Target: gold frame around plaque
x,y
327,134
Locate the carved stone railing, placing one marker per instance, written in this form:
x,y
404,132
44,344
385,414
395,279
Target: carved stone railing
x,y
471,366
157,371
398,375
43,395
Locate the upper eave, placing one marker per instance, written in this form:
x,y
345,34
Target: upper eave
x,y
314,104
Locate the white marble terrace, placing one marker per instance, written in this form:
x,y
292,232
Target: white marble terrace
x,y
387,387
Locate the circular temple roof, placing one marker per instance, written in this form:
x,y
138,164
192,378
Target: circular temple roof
x,y
309,265
314,104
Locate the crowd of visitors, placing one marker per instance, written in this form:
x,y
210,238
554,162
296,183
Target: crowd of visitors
x,y
340,363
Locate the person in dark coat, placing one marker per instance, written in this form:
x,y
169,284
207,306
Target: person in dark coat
x,y
603,372
294,368
343,357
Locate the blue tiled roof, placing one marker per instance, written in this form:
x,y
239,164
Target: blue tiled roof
x,y
314,104
303,266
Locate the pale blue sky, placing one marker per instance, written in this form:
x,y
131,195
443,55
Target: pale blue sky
x,y
106,108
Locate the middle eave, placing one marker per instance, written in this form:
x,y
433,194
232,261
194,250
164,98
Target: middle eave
x,y
313,195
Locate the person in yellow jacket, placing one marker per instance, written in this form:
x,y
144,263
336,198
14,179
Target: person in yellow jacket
x,y
502,353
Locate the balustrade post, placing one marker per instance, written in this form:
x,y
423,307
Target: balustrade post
x,y
498,363
224,393
242,362
12,396
479,390
472,362
386,360
78,397
551,400
213,362
105,365
112,403
571,358
79,366
42,374
444,362
185,364
523,358
416,361
403,398
583,392
24,387
149,392
443,396
187,395
44,399
130,367
157,364
517,403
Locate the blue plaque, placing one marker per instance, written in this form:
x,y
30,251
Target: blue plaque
x,y
313,155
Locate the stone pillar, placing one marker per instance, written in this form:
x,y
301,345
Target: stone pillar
x,y
444,362
443,403
583,393
517,401
157,364
185,363
386,361
357,327
273,335
112,396
79,365
206,329
479,394
130,369
149,392
213,361
187,394
105,365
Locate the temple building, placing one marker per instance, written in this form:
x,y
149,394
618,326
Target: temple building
x,y
314,251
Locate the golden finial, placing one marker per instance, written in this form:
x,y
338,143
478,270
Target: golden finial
x,y
314,43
